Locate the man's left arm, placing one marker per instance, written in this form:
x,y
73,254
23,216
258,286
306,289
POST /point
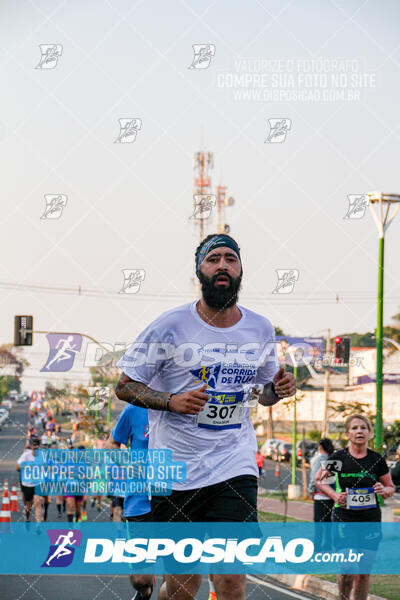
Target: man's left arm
x,y
282,386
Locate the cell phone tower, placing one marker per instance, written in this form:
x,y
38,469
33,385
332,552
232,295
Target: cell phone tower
x,y
203,199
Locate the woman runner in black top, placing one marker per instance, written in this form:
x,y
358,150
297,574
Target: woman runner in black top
x,y
362,480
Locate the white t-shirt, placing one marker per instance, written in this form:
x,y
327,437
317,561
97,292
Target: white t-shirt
x,y
179,352
27,456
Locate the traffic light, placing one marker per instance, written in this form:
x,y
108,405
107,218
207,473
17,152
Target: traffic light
x,y
342,350
23,330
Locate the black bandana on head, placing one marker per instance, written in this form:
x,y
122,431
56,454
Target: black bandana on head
x,y
217,241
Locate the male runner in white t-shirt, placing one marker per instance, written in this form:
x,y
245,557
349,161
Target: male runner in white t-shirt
x,y
194,367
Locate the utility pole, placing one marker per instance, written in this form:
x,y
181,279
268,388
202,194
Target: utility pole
x,y
303,465
222,202
327,386
293,488
270,424
294,448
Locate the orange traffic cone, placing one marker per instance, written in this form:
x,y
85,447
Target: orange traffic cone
x,y
277,470
5,513
5,486
14,499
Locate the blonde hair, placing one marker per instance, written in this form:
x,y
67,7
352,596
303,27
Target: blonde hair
x,y
351,418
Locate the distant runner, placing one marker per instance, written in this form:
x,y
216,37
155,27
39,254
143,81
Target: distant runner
x,y
132,429
362,479
28,489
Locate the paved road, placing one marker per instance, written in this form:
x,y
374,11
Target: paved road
x,y
270,482
117,587
78,587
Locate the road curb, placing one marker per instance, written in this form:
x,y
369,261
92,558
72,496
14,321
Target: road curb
x,y
313,585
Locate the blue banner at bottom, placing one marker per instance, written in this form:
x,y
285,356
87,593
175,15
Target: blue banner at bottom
x,y
252,548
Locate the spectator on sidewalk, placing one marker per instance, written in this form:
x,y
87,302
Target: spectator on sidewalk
x,y
323,505
395,471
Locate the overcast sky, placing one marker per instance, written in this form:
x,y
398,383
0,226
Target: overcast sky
x,y
336,66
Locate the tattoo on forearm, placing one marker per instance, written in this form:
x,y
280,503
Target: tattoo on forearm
x,y
139,394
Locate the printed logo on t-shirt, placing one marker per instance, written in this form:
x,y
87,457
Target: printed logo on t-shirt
x,y
234,373
207,375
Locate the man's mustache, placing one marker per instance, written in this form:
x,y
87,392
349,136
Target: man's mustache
x,y
215,278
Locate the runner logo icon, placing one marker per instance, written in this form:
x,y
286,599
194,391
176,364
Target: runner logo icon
x,y
203,205
55,204
278,129
62,547
286,281
132,280
203,54
63,347
50,53
128,129
358,204
208,375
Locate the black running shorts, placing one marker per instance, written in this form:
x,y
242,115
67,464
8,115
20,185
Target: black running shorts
x,y
117,502
28,491
231,500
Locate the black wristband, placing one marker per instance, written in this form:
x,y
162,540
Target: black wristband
x,y
168,401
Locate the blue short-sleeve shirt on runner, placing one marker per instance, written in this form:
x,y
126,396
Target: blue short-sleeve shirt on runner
x,y
133,428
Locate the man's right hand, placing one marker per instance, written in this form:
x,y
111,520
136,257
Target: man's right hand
x,y
189,403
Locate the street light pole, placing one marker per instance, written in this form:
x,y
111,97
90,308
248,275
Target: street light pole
x,y
379,350
383,203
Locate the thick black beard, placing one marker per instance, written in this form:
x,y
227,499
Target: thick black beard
x,y
220,298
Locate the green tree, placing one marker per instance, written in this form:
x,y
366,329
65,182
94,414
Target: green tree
x,y
314,435
348,407
361,340
11,369
279,331
104,377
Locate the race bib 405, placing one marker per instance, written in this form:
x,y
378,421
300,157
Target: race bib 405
x,y
361,498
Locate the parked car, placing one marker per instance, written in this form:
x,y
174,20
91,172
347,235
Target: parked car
x,y
7,404
268,445
306,449
3,415
282,452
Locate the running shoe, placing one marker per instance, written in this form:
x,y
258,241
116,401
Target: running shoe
x,y
212,596
84,515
